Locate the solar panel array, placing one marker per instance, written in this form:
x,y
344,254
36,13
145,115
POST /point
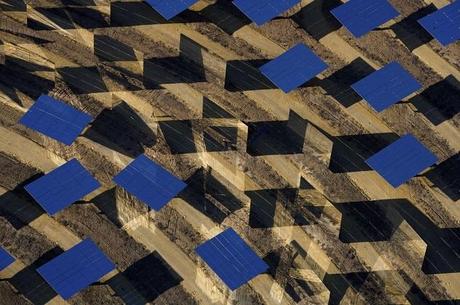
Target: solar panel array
x,y
386,86
293,68
55,119
444,24
226,254
231,259
5,259
261,12
362,16
402,160
62,186
171,8
76,269
149,182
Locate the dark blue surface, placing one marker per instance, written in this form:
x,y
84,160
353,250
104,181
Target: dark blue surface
x,y
76,269
261,11
402,160
444,24
170,8
362,16
62,186
5,259
231,259
55,119
149,182
386,86
293,68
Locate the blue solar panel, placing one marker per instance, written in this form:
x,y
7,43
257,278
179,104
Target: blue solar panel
x,y
231,259
149,182
76,269
261,11
444,24
402,160
62,186
386,86
5,259
293,68
362,16
170,8
55,119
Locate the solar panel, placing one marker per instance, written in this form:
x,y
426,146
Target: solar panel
x,y
293,68
362,16
62,186
76,269
402,160
231,259
444,24
387,86
149,182
55,119
171,8
5,259
261,11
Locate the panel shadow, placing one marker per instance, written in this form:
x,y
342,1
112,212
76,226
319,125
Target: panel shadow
x,y
220,138
172,70
233,19
446,177
365,225
213,111
316,18
30,284
109,49
439,102
338,84
68,18
18,207
151,276
339,283
13,6
410,32
17,74
179,136
415,296
368,221
350,152
277,137
244,75
280,207
122,130
83,80
107,203
209,196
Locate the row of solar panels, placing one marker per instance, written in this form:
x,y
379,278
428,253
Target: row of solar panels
x,y
358,16
227,254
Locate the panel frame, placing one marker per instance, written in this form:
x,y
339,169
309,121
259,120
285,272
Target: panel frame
x,y
156,194
386,86
402,160
68,273
70,179
352,15
235,268
298,61
447,34
55,119
170,8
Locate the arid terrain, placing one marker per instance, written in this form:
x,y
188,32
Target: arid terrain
x,y
285,171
